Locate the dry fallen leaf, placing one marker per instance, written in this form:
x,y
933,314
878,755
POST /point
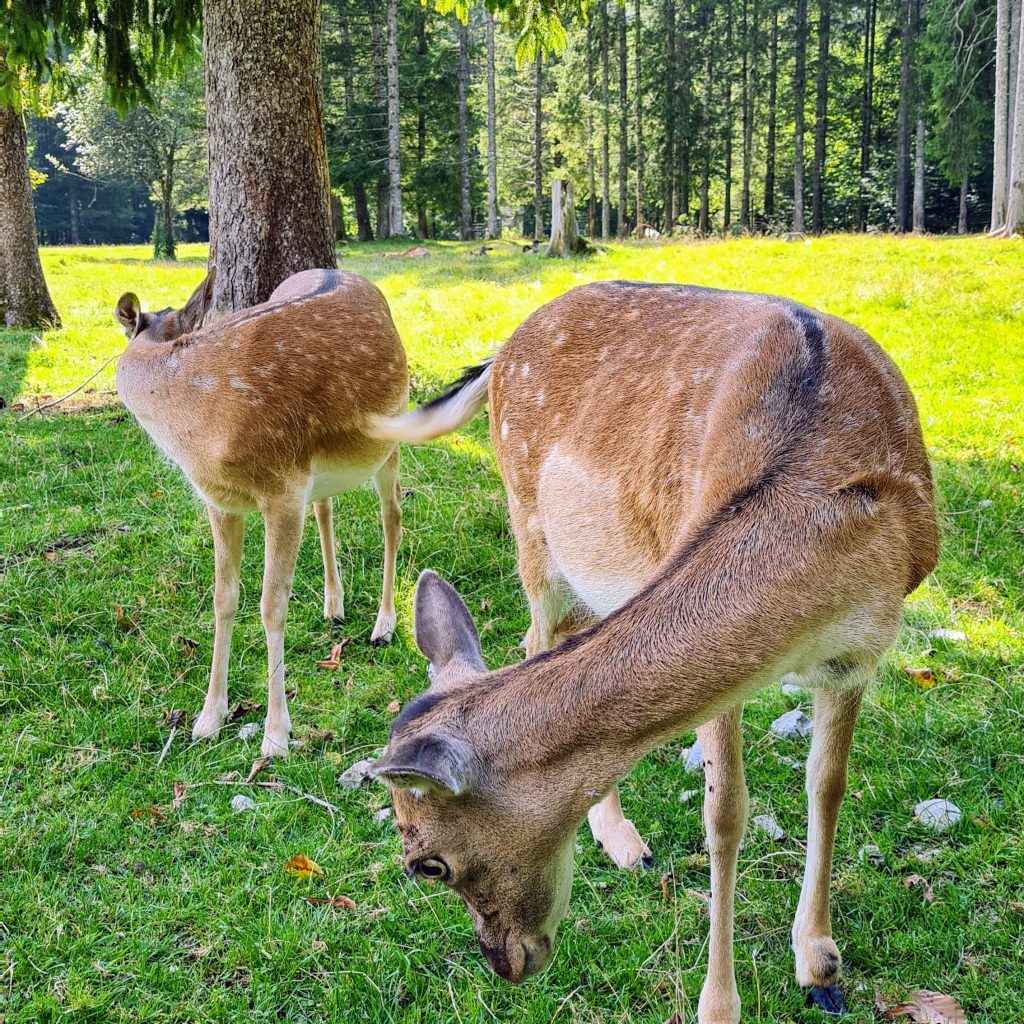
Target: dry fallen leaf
x,y
142,812
334,902
333,660
394,707
926,1007
913,881
128,622
50,556
188,645
924,678
246,707
302,867
179,794
665,891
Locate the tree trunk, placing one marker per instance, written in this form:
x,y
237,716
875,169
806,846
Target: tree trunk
x,y
396,226
270,212
564,241
73,220
492,135
166,246
538,148
465,210
799,89
669,158
749,29
773,85
961,224
728,125
1015,186
639,125
422,225
24,298
918,222
903,116
704,220
364,228
867,99
606,205
683,63
820,119
378,39
591,171
623,129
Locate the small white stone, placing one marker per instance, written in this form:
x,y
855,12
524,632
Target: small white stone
x,y
383,814
985,503
792,690
687,795
248,730
932,853
693,758
938,814
871,854
953,635
242,803
767,824
793,725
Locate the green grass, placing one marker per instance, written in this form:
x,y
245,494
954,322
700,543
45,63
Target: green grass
x,y
105,917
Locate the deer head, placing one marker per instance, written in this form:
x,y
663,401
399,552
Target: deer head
x,y
469,817
166,324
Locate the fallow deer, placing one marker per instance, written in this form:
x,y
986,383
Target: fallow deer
x,y
264,410
736,487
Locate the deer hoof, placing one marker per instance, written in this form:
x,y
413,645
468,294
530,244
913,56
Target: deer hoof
x,y
828,999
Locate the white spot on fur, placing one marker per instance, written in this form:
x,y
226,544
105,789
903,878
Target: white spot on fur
x,y
560,338
603,354
540,397
702,374
504,428
526,369
203,383
239,384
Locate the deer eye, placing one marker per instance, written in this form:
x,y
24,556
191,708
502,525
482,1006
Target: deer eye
x,y
433,869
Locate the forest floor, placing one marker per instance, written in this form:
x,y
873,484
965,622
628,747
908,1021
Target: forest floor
x,y
119,903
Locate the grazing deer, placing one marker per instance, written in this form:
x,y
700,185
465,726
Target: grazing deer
x,y
736,487
264,409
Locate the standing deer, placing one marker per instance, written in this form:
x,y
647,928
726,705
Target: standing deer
x,y
264,410
735,487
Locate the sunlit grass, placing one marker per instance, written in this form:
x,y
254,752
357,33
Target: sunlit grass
x,y
109,918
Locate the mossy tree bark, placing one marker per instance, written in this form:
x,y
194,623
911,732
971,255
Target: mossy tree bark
x,y
24,298
270,213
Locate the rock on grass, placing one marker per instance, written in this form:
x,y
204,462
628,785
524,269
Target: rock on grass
x,y
793,725
938,814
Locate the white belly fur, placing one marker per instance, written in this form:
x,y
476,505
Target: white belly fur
x,y
586,537
325,481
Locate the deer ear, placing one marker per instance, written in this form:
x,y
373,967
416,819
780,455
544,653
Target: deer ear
x,y
198,305
430,764
444,628
128,313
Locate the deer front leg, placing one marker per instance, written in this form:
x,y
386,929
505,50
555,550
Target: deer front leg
x,y
725,821
817,955
283,521
617,835
334,594
228,531
390,492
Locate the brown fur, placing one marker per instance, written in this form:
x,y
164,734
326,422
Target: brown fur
x,y
738,487
265,410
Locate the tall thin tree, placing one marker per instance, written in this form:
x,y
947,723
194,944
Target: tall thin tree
x,y
799,91
465,209
638,88
820,118
1001,124
867,101
538,147
773,86
395,226
623,127
669,115
727,116
591,174
606,204
492,133
903,109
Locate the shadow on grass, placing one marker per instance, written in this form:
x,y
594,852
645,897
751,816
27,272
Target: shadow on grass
x,y
14,349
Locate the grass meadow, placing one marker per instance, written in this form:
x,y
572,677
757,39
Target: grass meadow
x,y
187,914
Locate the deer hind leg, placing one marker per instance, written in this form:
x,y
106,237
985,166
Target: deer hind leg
x,y
334,594
283,518
817,956
389,490
725,820
228,531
